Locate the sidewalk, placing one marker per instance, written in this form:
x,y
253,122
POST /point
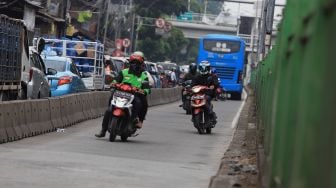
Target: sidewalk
x,y
238,167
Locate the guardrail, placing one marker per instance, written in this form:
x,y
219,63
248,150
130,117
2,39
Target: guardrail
x,y
295,99
21,119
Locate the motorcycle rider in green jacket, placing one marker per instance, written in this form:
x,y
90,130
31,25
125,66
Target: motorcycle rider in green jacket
x,y
134,76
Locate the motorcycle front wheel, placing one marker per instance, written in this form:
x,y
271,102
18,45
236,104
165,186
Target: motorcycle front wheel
x,y
113,128
198,123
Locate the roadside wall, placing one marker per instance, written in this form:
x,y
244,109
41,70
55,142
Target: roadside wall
x,y
296,98
25,118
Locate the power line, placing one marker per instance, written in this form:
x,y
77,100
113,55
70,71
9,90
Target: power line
x,y
9,4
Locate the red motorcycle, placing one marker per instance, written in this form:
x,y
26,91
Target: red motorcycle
x,y
120,122
200,117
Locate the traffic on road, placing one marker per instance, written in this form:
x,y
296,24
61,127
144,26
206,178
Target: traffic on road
x,y
115,94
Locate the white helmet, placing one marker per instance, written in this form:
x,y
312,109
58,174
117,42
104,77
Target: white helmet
x,y
204,67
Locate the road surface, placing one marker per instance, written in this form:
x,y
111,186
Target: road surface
x,y
168,153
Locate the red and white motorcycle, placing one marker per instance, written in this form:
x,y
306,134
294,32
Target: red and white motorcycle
x,y
120,122
200,117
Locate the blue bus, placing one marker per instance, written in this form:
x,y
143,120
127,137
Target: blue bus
x,y
227,54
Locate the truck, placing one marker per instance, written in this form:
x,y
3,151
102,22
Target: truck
x,y
87,55
14,58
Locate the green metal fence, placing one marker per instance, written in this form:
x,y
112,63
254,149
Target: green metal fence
x,y
296,97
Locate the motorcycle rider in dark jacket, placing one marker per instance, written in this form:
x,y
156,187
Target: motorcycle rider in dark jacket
x,y
134,76
206,79
191,75
192,72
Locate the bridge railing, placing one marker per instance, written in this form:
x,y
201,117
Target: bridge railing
x,y
209,19
249,39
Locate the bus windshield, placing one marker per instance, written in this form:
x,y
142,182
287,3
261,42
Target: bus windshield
x,y
221,46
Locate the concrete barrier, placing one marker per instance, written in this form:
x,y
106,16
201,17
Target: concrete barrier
x,y
21,125
65,109
3,133
103,101
20,119
55,113
94,98
76,112
84,97
44,120
8,109
33,117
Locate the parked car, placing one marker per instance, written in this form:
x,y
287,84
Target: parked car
x,y
150,80
152,69
163,77
67,79
37,86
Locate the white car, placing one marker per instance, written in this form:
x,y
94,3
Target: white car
x,y
38,86
150,79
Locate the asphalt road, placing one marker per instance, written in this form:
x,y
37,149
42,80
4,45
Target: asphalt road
x,y
168,153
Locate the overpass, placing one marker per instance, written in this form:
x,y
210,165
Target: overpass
x,y
195,30
201,25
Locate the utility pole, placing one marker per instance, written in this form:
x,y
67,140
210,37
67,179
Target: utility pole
x,y
107,15
102,3
205,6
137,33
269,23
266,27
132,26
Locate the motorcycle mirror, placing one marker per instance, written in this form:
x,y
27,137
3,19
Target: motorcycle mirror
x,y
51,71
40,45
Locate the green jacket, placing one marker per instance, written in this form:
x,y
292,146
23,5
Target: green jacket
x,y
125,77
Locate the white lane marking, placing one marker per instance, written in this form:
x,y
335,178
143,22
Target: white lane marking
x,y
236,118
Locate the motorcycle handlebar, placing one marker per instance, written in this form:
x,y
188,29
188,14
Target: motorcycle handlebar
x,y
133,89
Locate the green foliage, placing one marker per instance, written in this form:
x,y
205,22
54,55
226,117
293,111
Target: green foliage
x,y
170,46
195,6
156,8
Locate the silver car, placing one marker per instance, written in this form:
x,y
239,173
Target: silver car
x,y
38,86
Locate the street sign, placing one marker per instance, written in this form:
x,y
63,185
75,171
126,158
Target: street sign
x,y
119,44
160,23
126,43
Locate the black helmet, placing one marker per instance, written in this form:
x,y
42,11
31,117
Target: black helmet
x,y
204,67
192,68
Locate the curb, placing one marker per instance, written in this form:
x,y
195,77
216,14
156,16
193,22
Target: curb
x,y
238,167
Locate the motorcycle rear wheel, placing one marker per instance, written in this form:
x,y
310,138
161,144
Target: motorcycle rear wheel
x,y
113,123
124,137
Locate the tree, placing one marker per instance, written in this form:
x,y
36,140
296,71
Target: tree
x,y
157,8
156,47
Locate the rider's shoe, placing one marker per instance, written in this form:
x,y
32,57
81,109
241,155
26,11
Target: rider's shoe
x,y
139,124
101,134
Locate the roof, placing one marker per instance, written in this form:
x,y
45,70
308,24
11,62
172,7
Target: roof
x,y
34,4
56,19
108,57
56,58
220,36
